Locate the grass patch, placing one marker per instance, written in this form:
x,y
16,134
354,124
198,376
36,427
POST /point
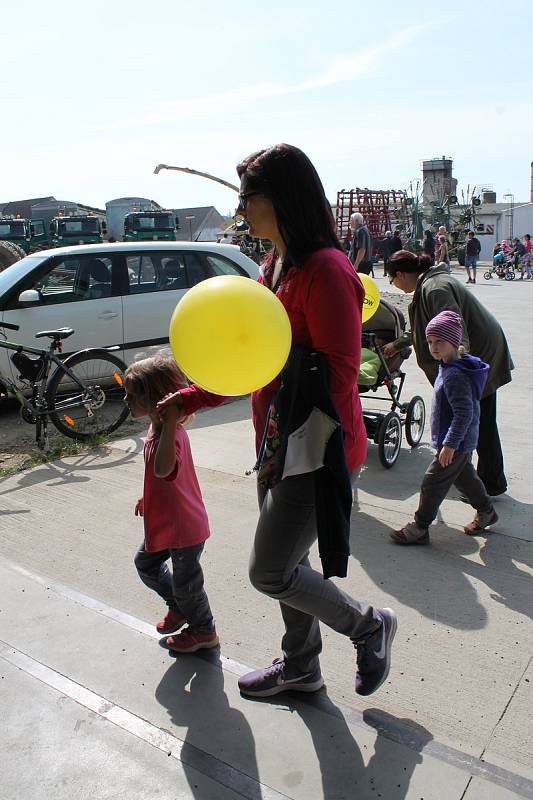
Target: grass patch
x,y
59,447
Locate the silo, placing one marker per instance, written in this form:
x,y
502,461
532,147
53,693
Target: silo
x,y
117,209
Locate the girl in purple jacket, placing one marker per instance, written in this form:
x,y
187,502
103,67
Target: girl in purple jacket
x,y
454,432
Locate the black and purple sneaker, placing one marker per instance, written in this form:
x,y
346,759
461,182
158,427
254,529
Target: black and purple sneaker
x,y
374,654
276,679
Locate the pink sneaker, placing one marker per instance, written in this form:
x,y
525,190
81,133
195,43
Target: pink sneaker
x,y
189,641
173,621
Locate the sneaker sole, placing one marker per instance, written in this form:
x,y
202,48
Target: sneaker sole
x,y
293,687
194,648
392,634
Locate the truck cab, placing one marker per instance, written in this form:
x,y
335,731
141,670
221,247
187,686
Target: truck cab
x,y
142,226
28,234
75,229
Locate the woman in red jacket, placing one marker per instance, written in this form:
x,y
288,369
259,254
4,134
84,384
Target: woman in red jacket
x,y
282,199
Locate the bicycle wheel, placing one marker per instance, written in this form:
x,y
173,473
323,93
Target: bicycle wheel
x,y
94,406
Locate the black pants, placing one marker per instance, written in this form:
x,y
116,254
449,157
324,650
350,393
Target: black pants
x,y
438,482
183,588
366,267
489,449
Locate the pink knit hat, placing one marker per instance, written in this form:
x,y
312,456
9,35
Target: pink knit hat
x,y
446,326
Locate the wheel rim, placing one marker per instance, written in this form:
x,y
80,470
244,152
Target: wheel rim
x,y
100,406
392,440
417,421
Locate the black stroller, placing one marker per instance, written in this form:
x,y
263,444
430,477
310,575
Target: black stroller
x,y
385,429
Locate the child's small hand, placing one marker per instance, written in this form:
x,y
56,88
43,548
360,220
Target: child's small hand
x,y
170,408
139,507
446,455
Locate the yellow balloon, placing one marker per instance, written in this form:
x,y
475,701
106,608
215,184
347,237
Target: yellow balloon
x,y
371,301
230,335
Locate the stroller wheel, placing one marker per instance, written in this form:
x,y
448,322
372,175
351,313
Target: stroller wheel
x,y
415,420
509,275
389,439
487,275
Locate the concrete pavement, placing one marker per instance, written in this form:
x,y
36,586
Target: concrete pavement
x,y
94,705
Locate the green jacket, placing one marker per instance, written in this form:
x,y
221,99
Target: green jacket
x,y
483,336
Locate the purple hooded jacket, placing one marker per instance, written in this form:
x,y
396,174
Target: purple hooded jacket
x,y
455,407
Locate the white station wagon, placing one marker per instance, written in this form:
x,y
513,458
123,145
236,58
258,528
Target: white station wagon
x,y
113,295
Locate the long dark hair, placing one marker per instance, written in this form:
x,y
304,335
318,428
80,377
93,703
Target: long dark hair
x,y
405,261
304,217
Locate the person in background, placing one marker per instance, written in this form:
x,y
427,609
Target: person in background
x,y
527,257
397,243
519,251
361,249
387,247
472,251
428,246
454,433
442,255
435,290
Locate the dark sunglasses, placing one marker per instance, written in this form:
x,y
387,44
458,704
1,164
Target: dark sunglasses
x,y
392,278
244,197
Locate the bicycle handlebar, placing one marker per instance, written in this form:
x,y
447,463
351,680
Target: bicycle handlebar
x,y
10,326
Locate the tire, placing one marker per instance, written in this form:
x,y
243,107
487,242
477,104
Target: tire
x,y
9,254
415,420
487,276
509,275
102,375
389,439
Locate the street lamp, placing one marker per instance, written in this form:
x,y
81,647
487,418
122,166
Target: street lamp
x,y
190,217
510,214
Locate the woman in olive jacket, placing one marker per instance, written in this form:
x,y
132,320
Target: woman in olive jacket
x,y
435,290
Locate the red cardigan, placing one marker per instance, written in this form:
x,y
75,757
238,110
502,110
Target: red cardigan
x,y
323,300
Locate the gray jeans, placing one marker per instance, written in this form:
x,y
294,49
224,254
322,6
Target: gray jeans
x,y
438,481
280,568
183,588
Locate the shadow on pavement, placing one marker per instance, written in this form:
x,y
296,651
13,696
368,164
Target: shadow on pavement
x,y
402,480
429,579
389,769
68,472
192,691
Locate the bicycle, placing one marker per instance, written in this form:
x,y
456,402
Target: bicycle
x,y
84,395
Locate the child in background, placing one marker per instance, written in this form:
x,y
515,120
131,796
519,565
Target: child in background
x,y
454,432
175,519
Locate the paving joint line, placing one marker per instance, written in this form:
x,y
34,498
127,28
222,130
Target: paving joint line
x,y
186,753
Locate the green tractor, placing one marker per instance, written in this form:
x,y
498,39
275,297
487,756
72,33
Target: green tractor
x,y
28,234
150,226
76,229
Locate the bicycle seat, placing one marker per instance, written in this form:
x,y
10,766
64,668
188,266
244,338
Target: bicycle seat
x,y
60,333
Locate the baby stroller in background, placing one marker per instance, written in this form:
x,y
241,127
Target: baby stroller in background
x,y
502,267
385,429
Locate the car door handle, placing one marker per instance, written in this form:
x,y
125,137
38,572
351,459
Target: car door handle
x,y
108,315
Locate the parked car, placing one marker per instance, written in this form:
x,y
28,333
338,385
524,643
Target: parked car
x,y
119,294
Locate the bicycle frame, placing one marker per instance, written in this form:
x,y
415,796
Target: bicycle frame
x,y
39,387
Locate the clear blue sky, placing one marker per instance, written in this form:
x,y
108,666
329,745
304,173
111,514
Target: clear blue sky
x,y
96,94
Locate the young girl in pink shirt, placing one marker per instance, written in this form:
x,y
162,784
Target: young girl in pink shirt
x,y
175,519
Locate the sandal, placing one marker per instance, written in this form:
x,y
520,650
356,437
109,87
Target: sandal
x,y
411,534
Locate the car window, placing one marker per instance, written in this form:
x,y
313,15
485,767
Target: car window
x,y
156,272
71,279
197,270
223,266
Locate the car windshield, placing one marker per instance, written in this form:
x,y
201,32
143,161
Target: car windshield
x,y
69,226
11,230
11,275
159,222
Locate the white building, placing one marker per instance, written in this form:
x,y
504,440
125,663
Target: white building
x,y
497,221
